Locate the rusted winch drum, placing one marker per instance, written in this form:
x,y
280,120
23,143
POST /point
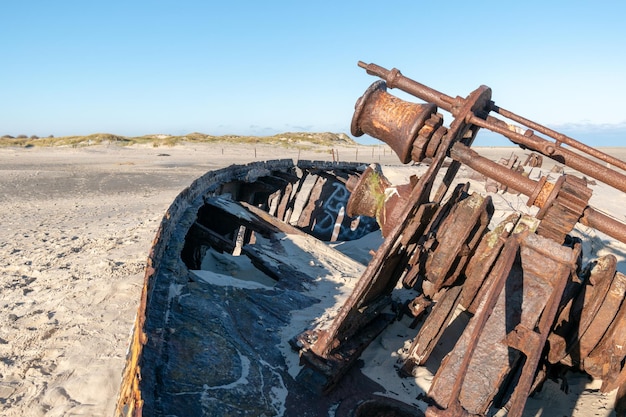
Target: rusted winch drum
x,y
373,195
390,119
367,192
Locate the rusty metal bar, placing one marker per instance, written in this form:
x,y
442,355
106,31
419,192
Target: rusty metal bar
x,y
604,223
590,216
395,79
571,159
560,138
498,172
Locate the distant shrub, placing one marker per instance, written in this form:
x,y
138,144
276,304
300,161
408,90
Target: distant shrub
x,y
301,140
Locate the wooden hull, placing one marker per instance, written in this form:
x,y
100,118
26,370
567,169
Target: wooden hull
x,y
216,343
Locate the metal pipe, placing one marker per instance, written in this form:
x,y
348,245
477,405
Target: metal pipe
x,y
560,138
603,223
395,79
590,217
465,155
531,141
571,159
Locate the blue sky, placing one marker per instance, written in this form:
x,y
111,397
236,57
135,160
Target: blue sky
x,y
249,67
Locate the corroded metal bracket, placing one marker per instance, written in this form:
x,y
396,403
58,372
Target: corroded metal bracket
x,y
531,273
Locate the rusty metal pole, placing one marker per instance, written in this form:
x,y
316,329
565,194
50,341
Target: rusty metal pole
x,y
498,172
395,79
571,159
603,223
529,139
590,216
559,137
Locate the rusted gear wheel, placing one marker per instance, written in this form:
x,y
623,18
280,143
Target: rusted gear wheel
x,y
563,207
591,329
584,320
606,360
430,130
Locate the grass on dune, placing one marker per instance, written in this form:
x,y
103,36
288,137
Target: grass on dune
x,y
289,139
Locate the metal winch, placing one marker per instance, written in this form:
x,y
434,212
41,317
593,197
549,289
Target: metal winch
x,y
531,304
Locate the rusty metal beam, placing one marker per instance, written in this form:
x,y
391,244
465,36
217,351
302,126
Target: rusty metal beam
x,y
538,189
560,138
528,139
571,159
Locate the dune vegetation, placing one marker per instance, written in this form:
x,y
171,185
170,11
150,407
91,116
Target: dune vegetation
x,y
289,139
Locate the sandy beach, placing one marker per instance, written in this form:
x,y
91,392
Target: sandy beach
x,y
77,225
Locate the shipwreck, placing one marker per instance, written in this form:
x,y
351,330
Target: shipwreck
x,y
258,301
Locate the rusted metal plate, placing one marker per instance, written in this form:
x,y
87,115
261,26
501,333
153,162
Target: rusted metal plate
x,y
576,319
524,223
601,321
484,257
412,239
457,238
419,236
450,377
432,330
530,273
606,360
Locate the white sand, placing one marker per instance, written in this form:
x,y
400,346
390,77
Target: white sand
x,y
76,227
